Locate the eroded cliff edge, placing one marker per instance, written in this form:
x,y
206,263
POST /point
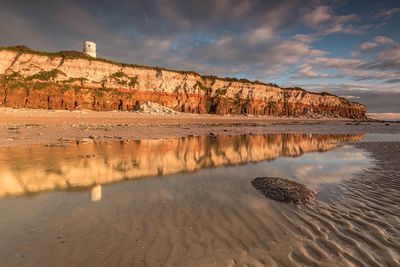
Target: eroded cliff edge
x,y
70,80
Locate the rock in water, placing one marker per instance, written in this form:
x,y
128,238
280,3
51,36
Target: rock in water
x,y
282,189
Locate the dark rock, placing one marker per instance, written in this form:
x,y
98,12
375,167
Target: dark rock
x,y
282,189
212,135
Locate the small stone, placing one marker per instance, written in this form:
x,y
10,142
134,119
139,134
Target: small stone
x,y
85,140
90,155
56,145
282,189
212,135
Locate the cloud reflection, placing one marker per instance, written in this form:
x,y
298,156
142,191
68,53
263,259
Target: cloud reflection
x,y
27,170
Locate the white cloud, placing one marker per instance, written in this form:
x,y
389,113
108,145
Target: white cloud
x,y
350,97
318,15
304,38
261,34
368,46
384,116
383,40
307,71
323,19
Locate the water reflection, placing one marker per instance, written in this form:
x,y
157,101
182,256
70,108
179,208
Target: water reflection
x,y
27,170
95,193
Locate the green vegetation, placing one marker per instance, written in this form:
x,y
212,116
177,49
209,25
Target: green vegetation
x,y
46,75
77,88
41,86
202,87
123,79
72,80
118,75
65,88
13,76
79,55
99,92
221,92
12,85
327,94
133,81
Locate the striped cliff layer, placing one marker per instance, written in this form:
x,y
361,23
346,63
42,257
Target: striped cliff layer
x,y
70,80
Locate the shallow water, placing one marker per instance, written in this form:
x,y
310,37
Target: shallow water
x,y
189,202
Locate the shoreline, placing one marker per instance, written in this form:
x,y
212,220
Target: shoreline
x,y
55,127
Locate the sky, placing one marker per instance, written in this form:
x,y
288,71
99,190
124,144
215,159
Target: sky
x,y
349,48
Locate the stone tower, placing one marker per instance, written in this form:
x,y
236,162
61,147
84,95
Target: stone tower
x,y
89,48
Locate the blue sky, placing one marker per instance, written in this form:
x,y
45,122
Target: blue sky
x,y
350,48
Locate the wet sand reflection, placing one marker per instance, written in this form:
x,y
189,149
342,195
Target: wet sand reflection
x,y
33,169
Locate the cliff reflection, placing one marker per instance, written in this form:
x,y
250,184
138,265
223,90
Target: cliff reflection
x,y
27,170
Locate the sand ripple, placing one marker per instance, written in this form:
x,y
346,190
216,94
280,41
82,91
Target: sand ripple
x,y
176,222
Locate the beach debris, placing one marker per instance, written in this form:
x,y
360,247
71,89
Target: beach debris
x,y
84,140
282,189
154,108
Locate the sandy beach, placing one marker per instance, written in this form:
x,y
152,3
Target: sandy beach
x,y
176,190
26,126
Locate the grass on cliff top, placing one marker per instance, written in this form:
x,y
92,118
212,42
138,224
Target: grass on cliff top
x,y
72,54
80,55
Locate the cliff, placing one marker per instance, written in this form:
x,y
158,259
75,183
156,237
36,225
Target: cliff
x,y
71,80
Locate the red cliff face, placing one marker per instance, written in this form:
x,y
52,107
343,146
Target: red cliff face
x,y
30,79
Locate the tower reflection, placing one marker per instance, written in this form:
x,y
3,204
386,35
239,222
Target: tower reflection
x,y
33,169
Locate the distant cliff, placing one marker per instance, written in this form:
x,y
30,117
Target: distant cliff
x,y
71,80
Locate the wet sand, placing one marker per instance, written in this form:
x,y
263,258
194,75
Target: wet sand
x,y
23,126
214,216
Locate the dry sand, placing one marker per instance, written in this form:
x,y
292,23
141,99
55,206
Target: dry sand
x,y
24,126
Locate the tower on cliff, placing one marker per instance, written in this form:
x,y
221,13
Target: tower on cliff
x,y
89,48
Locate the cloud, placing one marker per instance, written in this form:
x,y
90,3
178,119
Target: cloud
x,y
350,97
307,71
254,39
393,81
384,65
368,46
317,16
383,40
261,34
379,41
323,19
385,116
305,38
387,13
387,60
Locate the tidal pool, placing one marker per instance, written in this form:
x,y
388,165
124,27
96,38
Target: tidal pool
x,y
177,202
